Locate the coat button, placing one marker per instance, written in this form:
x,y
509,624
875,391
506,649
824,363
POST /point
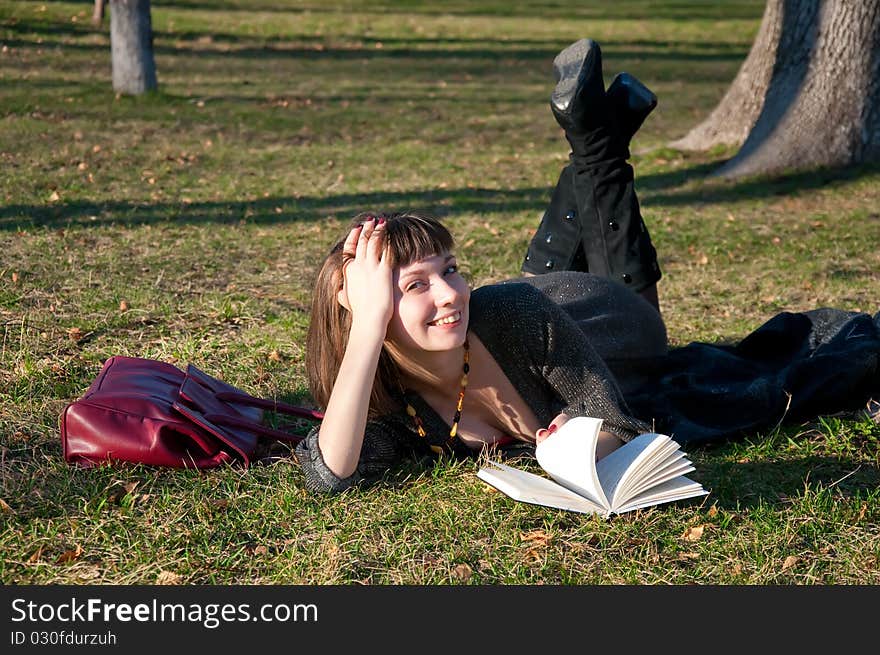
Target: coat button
x,y
549,264
627,278
549,238
570,215
614,225
528,256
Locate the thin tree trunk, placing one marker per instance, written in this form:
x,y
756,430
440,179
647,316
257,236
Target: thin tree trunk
x,y
815,71
98,12
131,44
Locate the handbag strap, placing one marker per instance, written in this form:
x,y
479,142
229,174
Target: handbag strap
x,y
241,398
250,426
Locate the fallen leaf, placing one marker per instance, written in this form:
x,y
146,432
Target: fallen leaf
x,y
5,508
36,556
737,569
69,555
74,333
694,533
790,561
275,356
261,550
537,538
462,571
123,306
713,511
168,578
533,556
14,277
54,197
130,486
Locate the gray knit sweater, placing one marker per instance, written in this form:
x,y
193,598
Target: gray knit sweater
x,y
567,341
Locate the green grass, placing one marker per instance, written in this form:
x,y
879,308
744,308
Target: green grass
x,y
186,226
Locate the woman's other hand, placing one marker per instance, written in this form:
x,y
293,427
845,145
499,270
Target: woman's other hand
x,y
367,277
555,424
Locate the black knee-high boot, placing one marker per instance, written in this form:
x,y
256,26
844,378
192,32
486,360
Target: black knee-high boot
x,y
594,222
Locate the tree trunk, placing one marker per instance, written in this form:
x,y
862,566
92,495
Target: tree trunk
x,y
98,12
807,95
131,44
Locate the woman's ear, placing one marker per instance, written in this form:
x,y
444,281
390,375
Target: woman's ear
x,y
342,298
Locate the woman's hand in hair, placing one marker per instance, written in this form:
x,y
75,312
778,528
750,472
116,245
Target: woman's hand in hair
x,y
367,278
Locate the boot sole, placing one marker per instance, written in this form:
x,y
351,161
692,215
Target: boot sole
x,y
570,66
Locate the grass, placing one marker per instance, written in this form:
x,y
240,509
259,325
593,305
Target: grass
x,y
186,226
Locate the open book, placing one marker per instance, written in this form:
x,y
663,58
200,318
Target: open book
x,y
648,470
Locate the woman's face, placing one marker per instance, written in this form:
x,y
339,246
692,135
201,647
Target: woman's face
x,y
430,305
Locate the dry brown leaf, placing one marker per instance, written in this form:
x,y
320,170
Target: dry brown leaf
x,y
54,197
130,486
275,356
536,538
261,550
74,333
533,556
462,571
694,533
36,556
737,569
69,555
5,508
862,511
789,562
168,578
123,306
713,511
14,277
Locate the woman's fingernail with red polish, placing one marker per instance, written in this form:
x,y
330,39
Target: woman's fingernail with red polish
x,y
552,429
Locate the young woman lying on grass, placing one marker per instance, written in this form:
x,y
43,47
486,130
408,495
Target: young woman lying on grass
x,y
406,360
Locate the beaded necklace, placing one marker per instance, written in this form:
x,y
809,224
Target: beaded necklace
x,y
454,430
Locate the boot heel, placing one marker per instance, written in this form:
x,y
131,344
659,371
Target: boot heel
x,y
632,101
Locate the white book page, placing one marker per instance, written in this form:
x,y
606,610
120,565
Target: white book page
x,y
569,456
530,488
672,468
623,467
672,490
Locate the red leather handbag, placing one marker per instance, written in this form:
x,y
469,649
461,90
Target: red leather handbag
x,y
149,412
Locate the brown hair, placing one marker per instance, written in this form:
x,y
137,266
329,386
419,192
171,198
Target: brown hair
x,y
410,237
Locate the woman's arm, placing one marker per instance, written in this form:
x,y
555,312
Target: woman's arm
x,y
367,294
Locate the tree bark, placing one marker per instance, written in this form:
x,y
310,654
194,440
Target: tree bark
x,y
807,95
131,44
98,12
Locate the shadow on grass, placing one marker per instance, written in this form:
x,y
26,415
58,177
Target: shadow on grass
x,y
632,10
225,44
442,202
695,185
660,189
742,485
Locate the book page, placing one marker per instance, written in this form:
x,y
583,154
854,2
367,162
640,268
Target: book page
x,y
569,456
676,489
624,469
530,488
